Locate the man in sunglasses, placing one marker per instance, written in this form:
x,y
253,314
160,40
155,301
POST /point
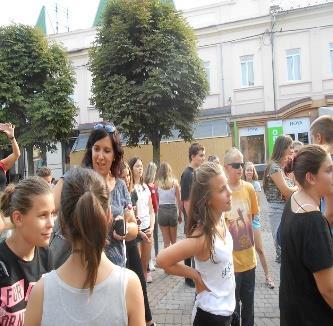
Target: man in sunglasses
x,y
239,220
196,155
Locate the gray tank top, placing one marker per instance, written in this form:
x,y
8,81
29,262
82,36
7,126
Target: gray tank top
x,y
67,306
167,196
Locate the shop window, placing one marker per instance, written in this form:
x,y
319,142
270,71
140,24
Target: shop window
x,y
303,137
331,57
294,64
253,148
247,74
206,129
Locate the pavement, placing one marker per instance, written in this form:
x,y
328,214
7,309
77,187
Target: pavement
x,y
171,301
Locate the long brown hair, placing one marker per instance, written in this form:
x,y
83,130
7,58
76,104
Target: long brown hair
x,y
165,178
83,218
280,146
200,214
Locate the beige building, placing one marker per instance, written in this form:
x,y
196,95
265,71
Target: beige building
x,y
270,70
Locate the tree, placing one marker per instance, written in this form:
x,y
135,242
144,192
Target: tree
x,y
36,81
147,77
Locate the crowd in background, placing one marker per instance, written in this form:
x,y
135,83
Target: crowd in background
x,y
94,235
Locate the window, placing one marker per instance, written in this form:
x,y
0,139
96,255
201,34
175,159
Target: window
x,y
331,57
205,129
247,75
294,64
207,70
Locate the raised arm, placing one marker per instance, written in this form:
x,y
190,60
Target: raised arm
x,y
171,259
10,160
281,184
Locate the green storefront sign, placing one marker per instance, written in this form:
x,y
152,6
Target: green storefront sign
x,y
274,130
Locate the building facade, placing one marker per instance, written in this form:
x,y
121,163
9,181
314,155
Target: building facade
x,y
270,71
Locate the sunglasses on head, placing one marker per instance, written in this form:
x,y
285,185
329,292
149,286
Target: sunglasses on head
x,y
236,165
108,127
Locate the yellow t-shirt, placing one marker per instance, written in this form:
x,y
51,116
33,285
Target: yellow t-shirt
x,y
239,220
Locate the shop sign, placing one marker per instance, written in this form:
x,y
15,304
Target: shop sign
x,y
252,131
293,126
274,130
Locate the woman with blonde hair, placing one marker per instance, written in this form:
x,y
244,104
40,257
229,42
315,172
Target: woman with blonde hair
x,y
250,175
169,200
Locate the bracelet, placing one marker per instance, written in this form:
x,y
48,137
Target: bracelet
x,y
11,138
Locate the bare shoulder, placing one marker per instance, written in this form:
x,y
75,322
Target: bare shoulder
x,y
34,311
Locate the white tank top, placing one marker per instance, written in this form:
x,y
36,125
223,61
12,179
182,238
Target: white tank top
x,y
67,306
219,278
142,205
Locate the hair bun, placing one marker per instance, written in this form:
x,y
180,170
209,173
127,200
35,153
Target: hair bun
x,y
6,199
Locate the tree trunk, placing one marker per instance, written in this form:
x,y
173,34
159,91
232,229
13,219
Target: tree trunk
x,y
30,156
156,151
21,163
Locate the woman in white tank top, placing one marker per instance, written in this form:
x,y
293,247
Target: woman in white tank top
x,y
88,289
210,242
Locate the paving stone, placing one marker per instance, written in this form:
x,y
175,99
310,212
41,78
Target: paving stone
x,y
172,301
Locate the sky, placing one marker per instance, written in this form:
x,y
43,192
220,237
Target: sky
x,y
82,12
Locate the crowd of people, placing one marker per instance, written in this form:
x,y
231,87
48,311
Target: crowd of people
x,y
92,240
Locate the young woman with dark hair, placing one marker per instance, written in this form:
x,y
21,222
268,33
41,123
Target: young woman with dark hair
x,y
24,256
210,242
306,288
277,186
104,155
92,289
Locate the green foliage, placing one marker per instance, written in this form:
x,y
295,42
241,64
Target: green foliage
x,y
36,81
147,76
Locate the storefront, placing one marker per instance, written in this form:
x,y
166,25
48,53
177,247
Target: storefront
x,y
297,129
252,144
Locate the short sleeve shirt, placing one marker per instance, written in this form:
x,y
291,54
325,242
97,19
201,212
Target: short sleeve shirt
x,y
272,192
307,248
186,181
120,198
17,278
239,221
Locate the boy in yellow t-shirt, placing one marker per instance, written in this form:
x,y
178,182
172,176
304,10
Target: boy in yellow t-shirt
x,y
239,220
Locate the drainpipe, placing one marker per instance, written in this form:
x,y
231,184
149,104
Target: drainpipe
x,y
273,11
222,76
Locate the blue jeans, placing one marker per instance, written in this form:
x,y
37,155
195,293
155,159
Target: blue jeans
x,y
245,284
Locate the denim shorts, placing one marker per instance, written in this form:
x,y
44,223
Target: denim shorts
x,y
256,222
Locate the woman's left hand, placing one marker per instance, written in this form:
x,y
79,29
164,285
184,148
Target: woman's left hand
x,y
8,129
117,236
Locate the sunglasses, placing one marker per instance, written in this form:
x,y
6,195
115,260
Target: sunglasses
x,y
108,127
237,166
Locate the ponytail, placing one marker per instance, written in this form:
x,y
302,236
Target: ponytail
x,y
83,217
6,200
91,222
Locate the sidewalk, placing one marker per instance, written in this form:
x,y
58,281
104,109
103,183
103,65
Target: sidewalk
x,y
171,300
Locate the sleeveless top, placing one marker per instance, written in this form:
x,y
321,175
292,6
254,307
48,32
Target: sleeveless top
x,y
142,205
167,196
219,278
64,305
